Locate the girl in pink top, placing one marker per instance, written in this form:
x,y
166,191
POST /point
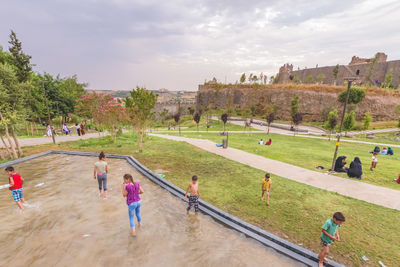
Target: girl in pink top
x,y
131,190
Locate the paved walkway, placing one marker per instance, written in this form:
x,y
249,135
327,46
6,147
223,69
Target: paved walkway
x,y
49,140
385,197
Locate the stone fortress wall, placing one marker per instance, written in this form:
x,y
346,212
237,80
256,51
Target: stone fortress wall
x,y
370,71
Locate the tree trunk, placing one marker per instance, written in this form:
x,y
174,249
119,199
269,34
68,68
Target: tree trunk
x,y
14,153
32,129
140,147
6,147
16,142
27,128
268,129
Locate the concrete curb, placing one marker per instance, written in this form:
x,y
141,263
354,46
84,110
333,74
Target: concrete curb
x,y
285,247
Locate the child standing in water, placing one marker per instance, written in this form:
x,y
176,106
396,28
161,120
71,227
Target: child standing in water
x,y
131,190
100,172
16,182
193,187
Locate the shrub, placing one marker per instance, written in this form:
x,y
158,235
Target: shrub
x,y
356,95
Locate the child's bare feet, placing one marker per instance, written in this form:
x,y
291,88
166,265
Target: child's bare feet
x,y
133,232
262,198
23,200
139,224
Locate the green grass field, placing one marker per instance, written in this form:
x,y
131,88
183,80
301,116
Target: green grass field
x,y
188,124
310,153
296,213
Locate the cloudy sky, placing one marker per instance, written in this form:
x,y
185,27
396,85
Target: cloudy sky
x,y
177,44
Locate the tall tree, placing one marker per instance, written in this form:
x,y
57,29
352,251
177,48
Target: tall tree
x,y
224,118
294,107
196,118
270,119
332,121
243,78
139,106
19,59
297,119
335,72
177,119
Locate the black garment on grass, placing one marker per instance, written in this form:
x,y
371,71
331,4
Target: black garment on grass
x,y
355,170
339,164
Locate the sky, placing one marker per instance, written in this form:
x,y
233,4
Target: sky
x,y
178,44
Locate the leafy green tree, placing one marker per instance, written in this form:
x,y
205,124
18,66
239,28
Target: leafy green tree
x,y
243,78
19,59
270,119
224,118
163,115
310,79
191,110
177,118
332,121
297,119
196,118
335,72
349,121
367,120
294,107
321,77
356,95
139,106
388,80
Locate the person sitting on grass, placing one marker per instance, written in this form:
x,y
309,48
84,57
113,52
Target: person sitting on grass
x,y
261,142
269,142
384,151
355,170
340,164
390,151
330,233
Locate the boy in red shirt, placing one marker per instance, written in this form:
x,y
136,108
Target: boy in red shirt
x,y
16,182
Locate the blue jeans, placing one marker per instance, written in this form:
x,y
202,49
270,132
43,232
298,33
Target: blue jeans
x,y
102,180
133,208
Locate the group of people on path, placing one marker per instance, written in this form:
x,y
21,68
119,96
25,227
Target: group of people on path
x,y
79,128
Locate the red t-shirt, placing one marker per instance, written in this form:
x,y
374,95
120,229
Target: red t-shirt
x,y
17,181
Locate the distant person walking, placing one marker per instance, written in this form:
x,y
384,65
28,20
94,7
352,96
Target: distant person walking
x,y
193,189
100,172
82,129
330,233
49,131
131,190
78,129
15,181
266,187
374,161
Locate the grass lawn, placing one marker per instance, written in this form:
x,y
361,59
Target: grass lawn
x,y
188,124
383,138
310,153
296,213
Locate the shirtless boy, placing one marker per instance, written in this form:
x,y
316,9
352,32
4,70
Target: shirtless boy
x,y
194,194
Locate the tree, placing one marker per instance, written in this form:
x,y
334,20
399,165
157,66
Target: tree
x,y
335,72
332,121
321,77
310,79
191,110
139,106
294,107
367,120
349,121
243,78
196,118
296,79
356,95
250,78
163,115
270,119
224,118
19,59
177,118
297,119
388,80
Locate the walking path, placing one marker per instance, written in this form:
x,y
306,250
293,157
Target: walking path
x,y
370,193
48,140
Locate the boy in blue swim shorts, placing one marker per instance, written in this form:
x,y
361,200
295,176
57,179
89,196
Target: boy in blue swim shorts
x,y
16,181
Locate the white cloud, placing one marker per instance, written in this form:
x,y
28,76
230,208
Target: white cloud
x,y
177,44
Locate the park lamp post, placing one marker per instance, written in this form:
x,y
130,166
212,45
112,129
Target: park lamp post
x,y
349,81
